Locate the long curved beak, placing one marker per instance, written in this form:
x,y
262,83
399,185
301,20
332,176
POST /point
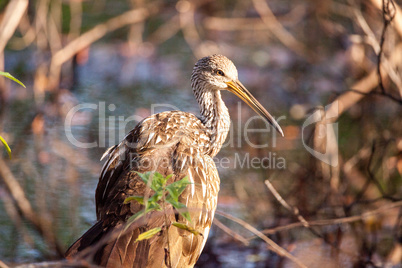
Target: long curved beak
x,y
239,90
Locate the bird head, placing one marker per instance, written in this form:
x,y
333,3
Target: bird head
x,y
217,72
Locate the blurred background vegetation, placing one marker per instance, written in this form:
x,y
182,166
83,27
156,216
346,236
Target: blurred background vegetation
x,y
295,56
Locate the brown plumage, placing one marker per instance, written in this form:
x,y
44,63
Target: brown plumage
x,y
175,143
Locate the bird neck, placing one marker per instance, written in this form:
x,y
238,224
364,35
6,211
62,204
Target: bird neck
x,y
215,117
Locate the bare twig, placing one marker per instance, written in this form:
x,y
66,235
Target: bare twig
x,y
76,159
277,29
186,15
28,35
293,210
398,15
12,211
398,225
272,245
356,179
294,17
186,11
364,87
383,64
11,18
230,232
383,94
17,192
371,178
3,265
100,30
235,24
135,34
76,19
165,31
54,27
388,15
344,220
58,264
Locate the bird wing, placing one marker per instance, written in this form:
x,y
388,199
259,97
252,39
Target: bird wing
x,y
166,142
170,143
200,198
184,247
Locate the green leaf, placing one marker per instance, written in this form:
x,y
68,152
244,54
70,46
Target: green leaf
x,y
156,197
9,76
144,176
158,185
139,199
148,234
157,180
175,189
181,208
187,228
153,207
135,217
6,145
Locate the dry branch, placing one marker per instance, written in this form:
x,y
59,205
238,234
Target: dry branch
x,y
388,67
73,157
359,89
58,264
3,265
186,11
355,177
96,33
165,31
398,15
12,16
388,14
230,232
272,245
23,204
365,215
277,29
235,24
292,18
12,211
280,199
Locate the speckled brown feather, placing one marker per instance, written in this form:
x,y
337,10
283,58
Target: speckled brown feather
x,y
175,143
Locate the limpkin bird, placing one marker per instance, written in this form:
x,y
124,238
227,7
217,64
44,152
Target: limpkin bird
x,y
175,143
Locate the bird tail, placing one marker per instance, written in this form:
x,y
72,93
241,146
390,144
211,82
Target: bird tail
x,y
118,247
90,238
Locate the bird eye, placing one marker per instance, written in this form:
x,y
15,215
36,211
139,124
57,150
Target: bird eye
x,y
219,72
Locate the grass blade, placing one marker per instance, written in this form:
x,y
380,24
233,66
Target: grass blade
x,y
9,76
148,234
6,145
187,228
